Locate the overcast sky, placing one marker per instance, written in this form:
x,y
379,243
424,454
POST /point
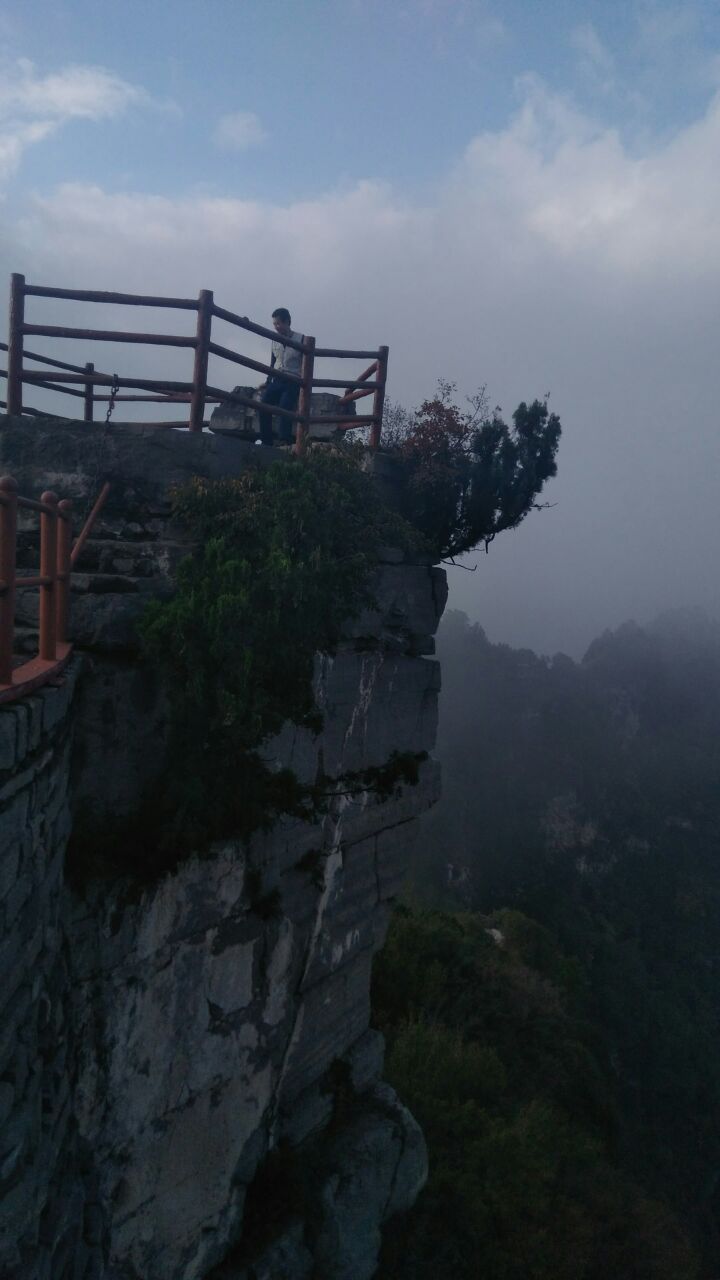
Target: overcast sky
x,y
520,194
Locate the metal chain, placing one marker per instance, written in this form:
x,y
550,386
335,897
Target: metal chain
x,y
111,401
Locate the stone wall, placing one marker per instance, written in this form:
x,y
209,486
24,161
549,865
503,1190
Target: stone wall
x,y
47,1190
176,1035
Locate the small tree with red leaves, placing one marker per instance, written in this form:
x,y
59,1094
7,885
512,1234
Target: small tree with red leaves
x,y
466,474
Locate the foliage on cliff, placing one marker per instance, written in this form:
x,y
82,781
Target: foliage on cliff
x,y
491,1044
466,476
283,557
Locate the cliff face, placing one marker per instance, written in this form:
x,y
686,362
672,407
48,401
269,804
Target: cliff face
x,y
201,1023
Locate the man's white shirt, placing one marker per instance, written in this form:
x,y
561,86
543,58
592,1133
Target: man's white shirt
x,y
287,358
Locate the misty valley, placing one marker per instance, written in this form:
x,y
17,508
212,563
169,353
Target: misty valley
x,y
549,989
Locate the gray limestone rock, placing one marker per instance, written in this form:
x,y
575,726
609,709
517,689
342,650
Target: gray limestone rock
x,y
157,1040
365,1060
237,418
376,1167
232,418
287,1258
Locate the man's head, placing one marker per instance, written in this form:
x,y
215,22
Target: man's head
x,y
281,321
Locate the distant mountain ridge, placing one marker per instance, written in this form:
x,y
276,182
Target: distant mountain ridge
x,y
625,740
586,795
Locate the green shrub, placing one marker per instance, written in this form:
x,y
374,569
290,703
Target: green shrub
x,y
489,1046
466,475
283,558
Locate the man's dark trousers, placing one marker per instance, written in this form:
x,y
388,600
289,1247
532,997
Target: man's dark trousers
x,y
285,396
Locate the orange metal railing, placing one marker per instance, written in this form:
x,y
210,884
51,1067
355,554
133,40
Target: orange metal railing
x,y
196,393
57,557
53,581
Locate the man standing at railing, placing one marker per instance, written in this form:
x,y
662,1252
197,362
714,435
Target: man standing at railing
x,y
277,391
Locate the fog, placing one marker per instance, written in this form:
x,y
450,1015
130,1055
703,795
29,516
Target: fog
x,y
548,258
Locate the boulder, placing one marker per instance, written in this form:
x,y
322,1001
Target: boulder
x,y
240,420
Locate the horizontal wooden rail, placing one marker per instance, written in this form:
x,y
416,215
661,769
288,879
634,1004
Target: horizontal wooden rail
x,y
83,381
57,364
45,360
104,380
216,350
34,413
39,580
109,335
49,385
55,386
172,397
175,424
252,404
345,355
338,382
243,323
44,505
98,295
347,420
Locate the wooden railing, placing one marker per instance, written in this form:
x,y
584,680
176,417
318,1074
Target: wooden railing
x,y
57,557
198,392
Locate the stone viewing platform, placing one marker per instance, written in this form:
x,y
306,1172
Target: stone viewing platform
x,y
311,409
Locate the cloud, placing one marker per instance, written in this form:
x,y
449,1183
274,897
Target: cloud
x,y
573,185
595,63
588,42
482,30
663,26
673,52
552,257
34,106
14,140
89,92
239,131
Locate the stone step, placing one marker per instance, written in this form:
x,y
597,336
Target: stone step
x,y
102,584
137,559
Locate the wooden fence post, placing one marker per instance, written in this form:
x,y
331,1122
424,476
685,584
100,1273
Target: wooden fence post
x,y
15,343
64,541
8,542
200,368
48,570
379,396
307,369
89,392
